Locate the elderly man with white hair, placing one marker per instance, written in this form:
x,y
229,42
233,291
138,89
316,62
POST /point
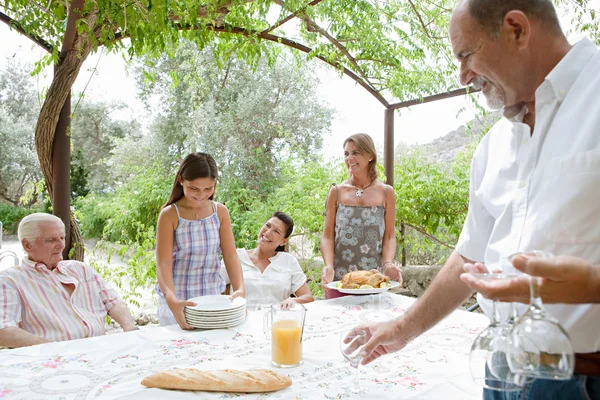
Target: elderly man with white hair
x,y
46,299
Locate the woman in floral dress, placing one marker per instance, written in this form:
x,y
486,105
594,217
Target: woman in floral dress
x,y
360,218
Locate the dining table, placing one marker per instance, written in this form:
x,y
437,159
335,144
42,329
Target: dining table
x,y
433,366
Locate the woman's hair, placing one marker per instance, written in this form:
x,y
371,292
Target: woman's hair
x,y
29,227
194,166
366,146
289,225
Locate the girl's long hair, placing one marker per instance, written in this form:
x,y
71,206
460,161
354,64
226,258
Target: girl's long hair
x,y
194,166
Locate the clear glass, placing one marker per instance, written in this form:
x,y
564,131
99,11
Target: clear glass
x,y
351,344
285,328
541,348
488,358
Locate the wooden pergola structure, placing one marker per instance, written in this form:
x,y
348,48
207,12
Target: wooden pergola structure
x,y
352,66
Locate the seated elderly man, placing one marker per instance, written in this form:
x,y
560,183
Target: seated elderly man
x,y
46,299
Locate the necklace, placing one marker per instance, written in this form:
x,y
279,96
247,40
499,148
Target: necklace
x,y
197,214
359,191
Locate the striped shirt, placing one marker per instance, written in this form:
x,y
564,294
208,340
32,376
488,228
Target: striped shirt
x,y
35,299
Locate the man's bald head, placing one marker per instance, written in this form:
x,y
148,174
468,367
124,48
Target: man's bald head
x,y
489,14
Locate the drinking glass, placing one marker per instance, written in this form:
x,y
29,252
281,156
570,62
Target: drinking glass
x,y
351,344
541,348
488,357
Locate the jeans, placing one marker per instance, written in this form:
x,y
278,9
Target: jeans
x,y
580,387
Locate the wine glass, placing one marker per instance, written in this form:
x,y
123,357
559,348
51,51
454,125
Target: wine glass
x,y
541,348
488,357
351,344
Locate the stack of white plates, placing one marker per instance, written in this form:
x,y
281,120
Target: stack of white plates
x,y
214,312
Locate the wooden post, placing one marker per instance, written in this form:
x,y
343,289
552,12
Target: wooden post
x,y
403,244
61,172
388,146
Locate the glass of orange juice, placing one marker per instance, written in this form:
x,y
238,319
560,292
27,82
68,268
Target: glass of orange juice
x,y
285,328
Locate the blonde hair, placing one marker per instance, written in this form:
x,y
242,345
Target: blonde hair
x,y
29,227
365,145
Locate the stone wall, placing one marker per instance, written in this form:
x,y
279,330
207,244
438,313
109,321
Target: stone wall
x,y
418,277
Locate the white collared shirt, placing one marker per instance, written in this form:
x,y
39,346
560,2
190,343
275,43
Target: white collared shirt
x,y
542,191
282,277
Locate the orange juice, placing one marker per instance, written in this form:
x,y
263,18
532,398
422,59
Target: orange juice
x,y
287,342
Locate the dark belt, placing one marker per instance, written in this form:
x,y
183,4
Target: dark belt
x,y
587,364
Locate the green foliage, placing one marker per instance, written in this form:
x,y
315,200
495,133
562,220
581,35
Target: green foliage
x,y
79,176
250,118
96,131
127,215
313,271
19,109
139,270
10,216
432,196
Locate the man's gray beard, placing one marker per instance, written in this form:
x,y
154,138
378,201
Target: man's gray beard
x,y
493,98
494,101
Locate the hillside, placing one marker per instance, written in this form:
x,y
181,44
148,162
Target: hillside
x,y
445,148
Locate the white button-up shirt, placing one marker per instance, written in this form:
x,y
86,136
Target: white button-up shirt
x,y
542,191
282,277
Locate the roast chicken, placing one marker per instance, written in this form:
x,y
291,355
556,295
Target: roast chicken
x,y
356,279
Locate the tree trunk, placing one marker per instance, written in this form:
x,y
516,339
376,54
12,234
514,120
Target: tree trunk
x,y
64,77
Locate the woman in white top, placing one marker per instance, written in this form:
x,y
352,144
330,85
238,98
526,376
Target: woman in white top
x,y
270,274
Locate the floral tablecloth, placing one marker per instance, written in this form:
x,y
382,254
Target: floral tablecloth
x,y
434,366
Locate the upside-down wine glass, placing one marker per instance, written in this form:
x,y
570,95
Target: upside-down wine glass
x,y
541,347
488,356
351,344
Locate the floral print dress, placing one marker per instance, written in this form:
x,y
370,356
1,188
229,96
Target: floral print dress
x,y
358,238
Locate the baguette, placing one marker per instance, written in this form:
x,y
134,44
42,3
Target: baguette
x,y
227,380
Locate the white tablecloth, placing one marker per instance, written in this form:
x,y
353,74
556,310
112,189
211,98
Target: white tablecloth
x,y
434,366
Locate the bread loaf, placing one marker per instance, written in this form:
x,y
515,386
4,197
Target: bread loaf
x,y
227,380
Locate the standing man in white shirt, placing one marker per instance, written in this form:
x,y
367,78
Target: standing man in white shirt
x,y
534,176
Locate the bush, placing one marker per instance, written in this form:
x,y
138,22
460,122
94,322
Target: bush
x,y
10,216
313,270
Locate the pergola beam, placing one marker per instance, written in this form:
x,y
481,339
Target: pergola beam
x,y
435,97
34,38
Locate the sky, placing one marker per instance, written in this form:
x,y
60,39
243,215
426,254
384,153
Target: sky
x,y
106,77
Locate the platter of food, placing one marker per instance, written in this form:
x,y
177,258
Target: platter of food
x,y
363,282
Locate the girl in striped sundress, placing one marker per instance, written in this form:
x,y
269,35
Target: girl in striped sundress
x,y
192,232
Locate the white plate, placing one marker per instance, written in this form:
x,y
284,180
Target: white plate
x,y
214,314
215,318
215,325
216,302
224,321
393,285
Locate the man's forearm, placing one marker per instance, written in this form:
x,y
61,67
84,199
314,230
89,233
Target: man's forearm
x,y
120,313
17,337
443,296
